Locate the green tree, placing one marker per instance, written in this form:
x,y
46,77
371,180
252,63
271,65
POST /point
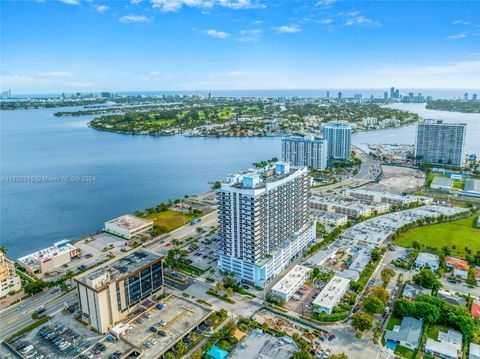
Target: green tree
x,y
373,304
375,254
229,292
342,355
218,287
265,326
427,279
302,354
181,348
34,287
380,292
387,274
362,321
169,355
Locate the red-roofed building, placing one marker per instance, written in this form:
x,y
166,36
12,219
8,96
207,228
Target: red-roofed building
x,y
475,310
460,266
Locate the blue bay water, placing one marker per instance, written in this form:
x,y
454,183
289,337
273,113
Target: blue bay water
x,y
131,172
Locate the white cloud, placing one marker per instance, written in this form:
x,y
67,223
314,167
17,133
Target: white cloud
x,y
155,73
325,2
452,68
361,20
288,29
460,22
176,5
127,19
54,74
250,35
456,37
15,79
217,34
135,2
325,21
101,8
237,73
70,2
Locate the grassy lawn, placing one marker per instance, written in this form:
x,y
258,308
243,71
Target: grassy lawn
x,y
404,352
461,233
393,321
458,185
170,219
433,330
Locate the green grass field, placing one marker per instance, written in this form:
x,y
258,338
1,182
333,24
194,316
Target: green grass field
x,y
461,234
404,352
433,330
170,219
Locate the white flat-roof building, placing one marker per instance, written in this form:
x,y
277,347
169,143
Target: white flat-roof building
x,y
377,196
328,218
9,279
330,295
425,260
448,345
45,260
291,282
444,183
128,226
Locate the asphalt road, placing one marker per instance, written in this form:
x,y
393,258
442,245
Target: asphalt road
x,y
19,316
369,171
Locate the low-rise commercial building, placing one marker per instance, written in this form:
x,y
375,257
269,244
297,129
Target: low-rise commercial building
x,y
330,295
391,198
286,287
9,279
329,219
108,294
46,260
443,183
448,345
128,226
407,334
460,266
472,187
427,260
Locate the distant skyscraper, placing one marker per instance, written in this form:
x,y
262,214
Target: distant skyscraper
x,y
328,94
392,92
305,151
385,95
465,96
340,95
440,143
263,221
339,140
474,97
106,95
7,93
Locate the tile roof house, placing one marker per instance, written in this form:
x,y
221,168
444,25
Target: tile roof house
x,y
460,266
475,311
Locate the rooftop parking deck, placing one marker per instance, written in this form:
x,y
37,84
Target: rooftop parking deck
x,y
178,317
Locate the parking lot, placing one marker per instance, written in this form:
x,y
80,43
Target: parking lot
x,y
59,338
108,348
203,253
159,329
301,300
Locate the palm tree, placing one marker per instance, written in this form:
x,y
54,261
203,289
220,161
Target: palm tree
x,y
218,287
229,292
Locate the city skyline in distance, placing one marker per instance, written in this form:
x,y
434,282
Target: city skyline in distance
x,y
70,46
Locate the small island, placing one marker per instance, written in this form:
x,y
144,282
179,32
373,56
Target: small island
x,y
454,106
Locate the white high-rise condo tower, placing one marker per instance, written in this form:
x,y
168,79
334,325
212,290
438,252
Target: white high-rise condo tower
x,y
339,140
264,222
305,151
440,143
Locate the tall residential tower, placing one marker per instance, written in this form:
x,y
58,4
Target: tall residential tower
x,y
264,221
339,140
440,143
305,151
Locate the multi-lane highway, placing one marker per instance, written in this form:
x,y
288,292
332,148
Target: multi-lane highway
x,y
19,316
369,171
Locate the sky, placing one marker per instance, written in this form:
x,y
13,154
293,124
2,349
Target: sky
x,y
151,45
